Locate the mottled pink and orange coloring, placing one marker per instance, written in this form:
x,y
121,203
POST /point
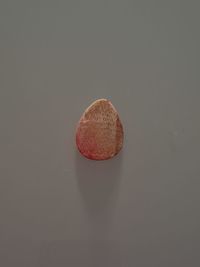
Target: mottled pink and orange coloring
x,y
99,134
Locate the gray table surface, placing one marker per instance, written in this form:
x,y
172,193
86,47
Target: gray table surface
x,y
143,207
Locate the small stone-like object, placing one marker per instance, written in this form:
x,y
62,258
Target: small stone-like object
x,y
99,134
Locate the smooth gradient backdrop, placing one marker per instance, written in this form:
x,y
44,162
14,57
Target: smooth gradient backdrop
x,y
140,209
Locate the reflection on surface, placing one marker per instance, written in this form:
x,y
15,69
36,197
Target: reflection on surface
x,y
98,183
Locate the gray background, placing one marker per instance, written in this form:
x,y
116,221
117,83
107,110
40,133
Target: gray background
x,y
139,209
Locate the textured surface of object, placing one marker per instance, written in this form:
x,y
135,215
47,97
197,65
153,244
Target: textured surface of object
x,y
99,133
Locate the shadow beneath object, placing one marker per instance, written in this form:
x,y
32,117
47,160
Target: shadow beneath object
x,y
98,183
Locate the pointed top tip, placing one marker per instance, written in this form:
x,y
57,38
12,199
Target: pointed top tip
x,y
101,102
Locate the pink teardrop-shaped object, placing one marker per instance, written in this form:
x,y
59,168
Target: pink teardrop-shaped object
x,y
99,134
